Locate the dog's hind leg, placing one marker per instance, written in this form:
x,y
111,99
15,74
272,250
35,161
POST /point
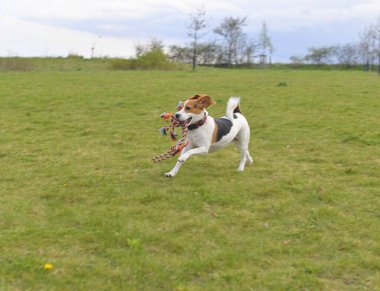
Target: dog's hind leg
x,y
242,142
249,159
243,159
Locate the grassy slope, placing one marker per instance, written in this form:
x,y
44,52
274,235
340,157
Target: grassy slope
x,y
54,64
78,189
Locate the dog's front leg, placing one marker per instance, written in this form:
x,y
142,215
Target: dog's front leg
x,y
188,154
178,165
183,157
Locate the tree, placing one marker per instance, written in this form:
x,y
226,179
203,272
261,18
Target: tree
x,y
365,47
208,53
376,35
250,49
180,54
245,50
347,54
231,30
265,42
369,46
195,31
296,60
320,55
152,45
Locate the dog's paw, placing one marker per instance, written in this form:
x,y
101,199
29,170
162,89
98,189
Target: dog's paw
x,y
169,175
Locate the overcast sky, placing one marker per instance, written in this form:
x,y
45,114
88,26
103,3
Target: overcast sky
x,y
60,27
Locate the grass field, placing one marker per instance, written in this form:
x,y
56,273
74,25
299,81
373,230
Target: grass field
x,y
78,189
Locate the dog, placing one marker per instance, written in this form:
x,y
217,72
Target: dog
x,y
206,134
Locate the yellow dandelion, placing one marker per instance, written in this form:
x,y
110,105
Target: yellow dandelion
x,y
48,266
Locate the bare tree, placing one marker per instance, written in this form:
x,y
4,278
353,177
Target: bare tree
x,y
180,54
296,61
240,50
245,51
372,46
152,45
365,47
250,49
369,46
347,54
208,53
376,35
196,29
265,42
231,30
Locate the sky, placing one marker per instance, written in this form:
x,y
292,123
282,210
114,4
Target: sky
x,y
114,27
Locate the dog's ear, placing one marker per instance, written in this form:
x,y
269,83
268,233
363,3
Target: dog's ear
x,y
205,101
194,97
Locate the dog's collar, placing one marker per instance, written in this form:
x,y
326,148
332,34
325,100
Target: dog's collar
x,y
198,124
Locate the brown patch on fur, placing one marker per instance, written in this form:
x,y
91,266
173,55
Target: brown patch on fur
x,y
196,96
203,100
193,106
215,134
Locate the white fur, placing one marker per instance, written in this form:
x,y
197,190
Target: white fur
x,y
200,139
231,105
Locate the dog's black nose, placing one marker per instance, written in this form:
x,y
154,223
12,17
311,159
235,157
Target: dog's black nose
x,y
177,115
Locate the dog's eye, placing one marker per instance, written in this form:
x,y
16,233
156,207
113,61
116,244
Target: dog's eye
x,y
187,108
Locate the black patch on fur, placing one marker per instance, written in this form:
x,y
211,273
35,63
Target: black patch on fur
x,y
224,127
235,116
237,110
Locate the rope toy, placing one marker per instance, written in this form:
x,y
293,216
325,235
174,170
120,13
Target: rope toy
x,y
181,143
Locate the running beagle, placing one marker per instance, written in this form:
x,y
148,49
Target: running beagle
x,y
207,134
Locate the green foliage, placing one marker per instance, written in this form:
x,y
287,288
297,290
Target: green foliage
x,y
123,64
154,59
150,60
78,189
319,55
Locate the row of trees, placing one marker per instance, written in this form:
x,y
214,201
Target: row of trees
x,y
231,45
364,52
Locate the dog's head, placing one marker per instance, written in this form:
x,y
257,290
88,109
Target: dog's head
x,y
193,108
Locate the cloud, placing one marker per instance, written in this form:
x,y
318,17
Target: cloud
x,y
87,9
57,26
33,39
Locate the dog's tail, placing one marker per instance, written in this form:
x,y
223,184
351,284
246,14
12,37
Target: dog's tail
x,y
233,107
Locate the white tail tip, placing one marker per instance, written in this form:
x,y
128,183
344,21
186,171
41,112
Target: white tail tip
x,y
233,102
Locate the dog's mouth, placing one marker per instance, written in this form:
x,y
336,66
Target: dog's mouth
x,y
189,119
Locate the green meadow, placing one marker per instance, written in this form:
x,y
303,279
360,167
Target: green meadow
x,y
78,188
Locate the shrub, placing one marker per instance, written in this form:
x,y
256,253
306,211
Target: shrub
x,y
74,56
123,64
154,59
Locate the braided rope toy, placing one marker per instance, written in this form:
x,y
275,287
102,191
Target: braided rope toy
x,y
181,143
